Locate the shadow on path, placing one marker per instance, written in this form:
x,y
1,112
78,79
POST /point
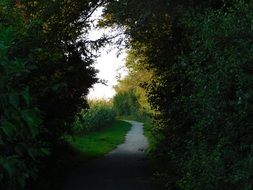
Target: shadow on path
x,y
125,168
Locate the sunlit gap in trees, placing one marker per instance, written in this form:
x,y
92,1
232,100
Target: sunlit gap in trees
x,y
110,62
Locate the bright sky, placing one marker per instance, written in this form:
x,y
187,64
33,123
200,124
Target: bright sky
x,y
109,65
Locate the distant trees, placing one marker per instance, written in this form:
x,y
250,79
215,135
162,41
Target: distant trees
x,y
201,88
130,98
126,103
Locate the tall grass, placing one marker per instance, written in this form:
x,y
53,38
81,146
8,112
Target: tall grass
x,y
101,114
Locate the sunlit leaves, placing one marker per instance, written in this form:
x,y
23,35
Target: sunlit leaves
x,y
101,114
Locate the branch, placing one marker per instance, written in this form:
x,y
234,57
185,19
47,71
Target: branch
x,y
94,9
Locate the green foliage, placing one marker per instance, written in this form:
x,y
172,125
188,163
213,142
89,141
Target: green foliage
x,y
20,120
101,114
200,53
57,43
125,103
45,73
222,92
99,143
131,97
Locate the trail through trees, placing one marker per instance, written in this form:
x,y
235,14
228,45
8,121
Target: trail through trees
x,y
124,168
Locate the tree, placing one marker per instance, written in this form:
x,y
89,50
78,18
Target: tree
x,y
131,98
46,70
20,121
199,52
57,44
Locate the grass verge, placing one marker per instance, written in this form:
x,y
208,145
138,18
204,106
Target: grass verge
x,y
99,143
75,150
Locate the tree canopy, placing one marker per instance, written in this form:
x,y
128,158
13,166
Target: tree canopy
x,y
200,53
45,70
189,61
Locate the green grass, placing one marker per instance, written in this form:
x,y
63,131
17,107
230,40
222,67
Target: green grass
x,y
75,150
100,142
148,133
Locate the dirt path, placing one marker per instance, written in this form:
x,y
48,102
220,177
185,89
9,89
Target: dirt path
x,y
125,168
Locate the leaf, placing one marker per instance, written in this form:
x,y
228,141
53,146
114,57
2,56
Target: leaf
x,y
45,151
14,101
7,35
32,121
7,164
30,118
8,128
33,153
16,67
26,96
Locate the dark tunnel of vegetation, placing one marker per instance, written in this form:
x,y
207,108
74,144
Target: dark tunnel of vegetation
x,y
190,71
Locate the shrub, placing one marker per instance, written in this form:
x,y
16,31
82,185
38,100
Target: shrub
x,y
201,54
100,114
125,103
44,71
20,120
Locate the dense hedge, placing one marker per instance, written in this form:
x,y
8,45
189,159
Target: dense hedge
x,y
202,89
20,120
222,96
45,73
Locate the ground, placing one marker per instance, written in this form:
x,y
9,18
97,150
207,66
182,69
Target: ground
x,y
125,168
